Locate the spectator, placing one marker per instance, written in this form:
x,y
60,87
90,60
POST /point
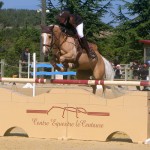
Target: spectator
x,y
24,55
118,72
135,67
144,72
24,59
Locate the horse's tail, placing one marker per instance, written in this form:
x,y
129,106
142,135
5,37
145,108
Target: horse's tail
x,y
109,71
109,75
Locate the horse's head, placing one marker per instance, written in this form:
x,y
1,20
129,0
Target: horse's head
x,y
47,39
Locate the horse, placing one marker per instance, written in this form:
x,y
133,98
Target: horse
x,y
66,49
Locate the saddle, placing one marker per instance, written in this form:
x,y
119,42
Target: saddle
x,y
81,48
73,33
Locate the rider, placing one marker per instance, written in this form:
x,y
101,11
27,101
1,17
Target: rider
x,y
75,23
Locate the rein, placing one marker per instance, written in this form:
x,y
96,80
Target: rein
x,y
59,52
46,45
57,38
53,41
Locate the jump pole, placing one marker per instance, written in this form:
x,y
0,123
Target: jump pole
x,y
34,72
28,65
101,82
81,82
23,80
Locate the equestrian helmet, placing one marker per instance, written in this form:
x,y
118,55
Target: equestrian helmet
x,y
64,14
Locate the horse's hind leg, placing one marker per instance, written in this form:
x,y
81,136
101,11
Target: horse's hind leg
x,y
94,87
104,90
86,75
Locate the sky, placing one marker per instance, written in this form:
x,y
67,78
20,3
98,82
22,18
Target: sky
x,y
35,5
21,4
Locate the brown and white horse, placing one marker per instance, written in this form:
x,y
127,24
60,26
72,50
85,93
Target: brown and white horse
x,y
65,50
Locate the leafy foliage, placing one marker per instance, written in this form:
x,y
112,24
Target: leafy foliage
x,y
134,25
1,4
19,18
13,42
18,29
90,10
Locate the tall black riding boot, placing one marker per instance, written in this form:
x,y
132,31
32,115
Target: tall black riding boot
x,y
91,54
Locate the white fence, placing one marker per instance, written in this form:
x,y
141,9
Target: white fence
x,y
2,65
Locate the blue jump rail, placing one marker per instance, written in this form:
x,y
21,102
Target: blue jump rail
x,y
54,73
40,73
45,65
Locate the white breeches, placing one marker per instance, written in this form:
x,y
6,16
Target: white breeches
x,y
79,29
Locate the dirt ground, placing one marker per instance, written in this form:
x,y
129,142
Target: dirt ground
x,y
23,143
13,142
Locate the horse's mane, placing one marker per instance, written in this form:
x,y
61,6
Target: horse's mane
x,y
49,29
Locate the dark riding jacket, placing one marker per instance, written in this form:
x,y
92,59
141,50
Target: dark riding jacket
x,y
75,20
72,21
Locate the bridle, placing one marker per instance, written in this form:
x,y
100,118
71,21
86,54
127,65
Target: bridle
x,y
57,40
49,47
54,38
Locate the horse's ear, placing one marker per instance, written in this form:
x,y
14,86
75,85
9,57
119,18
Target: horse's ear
x,y
46,29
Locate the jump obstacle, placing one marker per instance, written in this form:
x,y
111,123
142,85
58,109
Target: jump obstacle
x,y
36,73
74,113
42,65
102,82
23,80
83,82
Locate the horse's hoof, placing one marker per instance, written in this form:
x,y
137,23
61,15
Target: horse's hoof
x,y
63,69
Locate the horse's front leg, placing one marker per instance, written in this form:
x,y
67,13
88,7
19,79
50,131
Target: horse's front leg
x,y
64,59
65,65
67,57
54,61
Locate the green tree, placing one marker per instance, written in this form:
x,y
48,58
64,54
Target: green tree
x,y
13,42
134,25
18,29
1,4
91,11
19,18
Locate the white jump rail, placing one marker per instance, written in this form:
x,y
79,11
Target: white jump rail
x,y
83,82
23,80
101,82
